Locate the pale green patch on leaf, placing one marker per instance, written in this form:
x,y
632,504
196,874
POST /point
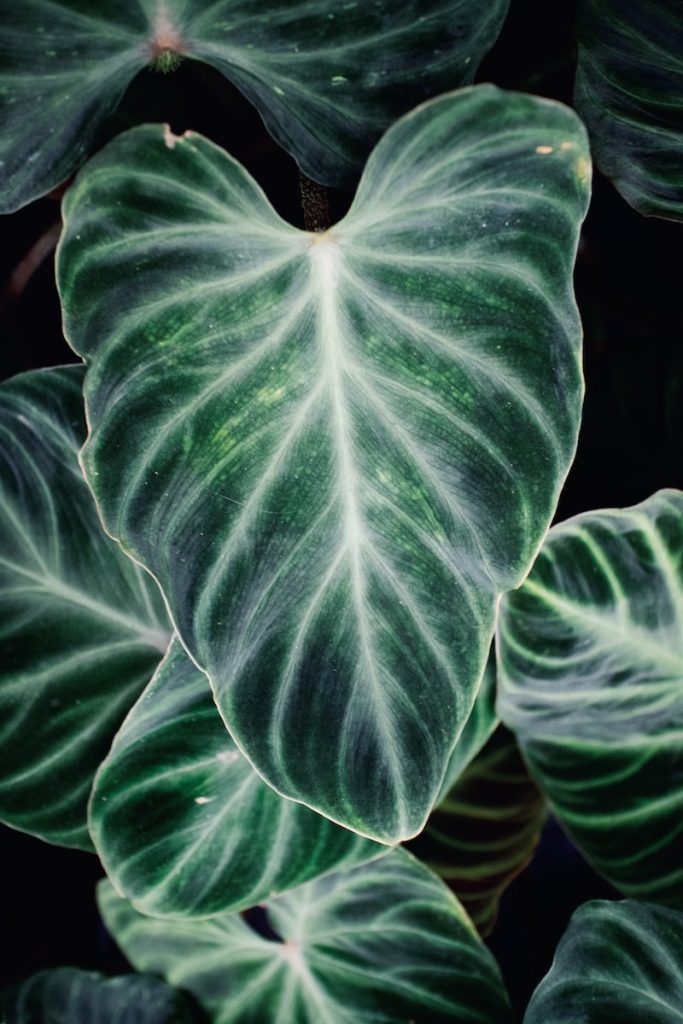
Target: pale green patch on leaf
x,y
335,451
82,628
327,78
486,829
590,672
69,996
629,92
617,962
384,943
183,824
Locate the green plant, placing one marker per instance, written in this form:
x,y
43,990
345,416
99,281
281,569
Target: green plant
x,y
249,608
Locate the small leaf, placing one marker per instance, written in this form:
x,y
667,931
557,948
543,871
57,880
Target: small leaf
x,y
69,996
590,672
385,942
183,824
335,450
485,831
83,628
616,962
327,78
629,92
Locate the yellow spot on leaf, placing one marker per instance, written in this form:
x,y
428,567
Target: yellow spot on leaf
x,y
567,145
544,149
583,170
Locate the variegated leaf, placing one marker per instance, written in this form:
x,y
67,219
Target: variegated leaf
x,y
183,824
335,450
590,677
82,628
385,943
327,78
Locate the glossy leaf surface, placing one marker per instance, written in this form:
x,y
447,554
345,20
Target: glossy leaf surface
x,y
386,943
590,677
82,628
629,92
334,451
69,996
326,78
484,832
616,962
183,824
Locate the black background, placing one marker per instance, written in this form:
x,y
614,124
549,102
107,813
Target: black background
x,y
628,284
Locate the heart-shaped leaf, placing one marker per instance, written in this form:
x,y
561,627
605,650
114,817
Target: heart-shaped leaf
x,y
616,962
69,996
629,91
590,673
183,824
386,943
327,78
83,627
335,450
486,829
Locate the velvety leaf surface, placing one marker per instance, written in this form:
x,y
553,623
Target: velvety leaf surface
x,y
82,628
69,996
183,824
590,675
629,92
334,451
477,729
616,962
327,78
486,829
384,943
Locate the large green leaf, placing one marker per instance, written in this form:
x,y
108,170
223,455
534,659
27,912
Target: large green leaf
x,y
384,943
617,962
629,91
334,451
590,677
484,832
69,996
327,78
82,627
183,824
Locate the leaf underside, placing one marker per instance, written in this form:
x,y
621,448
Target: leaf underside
x,y
590,670
629,92
326,78
335,451
485,831
616,962
81,627
385,942
182,823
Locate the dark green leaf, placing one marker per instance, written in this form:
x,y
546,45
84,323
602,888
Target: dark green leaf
x,y
82,628
183,824
385,943
590,673
70,996
327,78
617,962
335,450
629,91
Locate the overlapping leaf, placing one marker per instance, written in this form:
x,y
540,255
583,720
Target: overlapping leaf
x,y
82,627
386,943
334,451
629,92
327,78
69,996
616,962
590,677
183,824
485,830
